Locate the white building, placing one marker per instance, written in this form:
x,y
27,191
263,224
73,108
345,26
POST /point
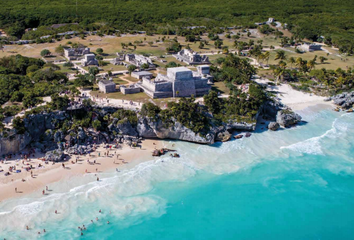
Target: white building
x,y
89,60
179,82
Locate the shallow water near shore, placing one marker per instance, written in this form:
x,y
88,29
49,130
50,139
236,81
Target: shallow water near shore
x,y
289,184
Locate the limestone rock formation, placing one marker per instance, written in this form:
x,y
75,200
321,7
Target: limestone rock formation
x,y
148,128
55,156
223,136
273,126
287,118
344,100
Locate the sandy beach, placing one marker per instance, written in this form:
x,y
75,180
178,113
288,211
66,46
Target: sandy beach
x,y
295,99
20,184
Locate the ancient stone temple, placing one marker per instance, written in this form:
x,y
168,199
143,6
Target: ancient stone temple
x,y
179,82
75,53
133,59
107,86
89,60
190,57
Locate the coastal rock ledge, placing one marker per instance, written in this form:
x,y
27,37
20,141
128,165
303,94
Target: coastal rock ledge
x,y
287,118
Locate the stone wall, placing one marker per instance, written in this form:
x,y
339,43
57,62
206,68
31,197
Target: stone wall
x,y
14,143
184,88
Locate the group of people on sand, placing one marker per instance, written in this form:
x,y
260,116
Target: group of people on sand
x,y
23,162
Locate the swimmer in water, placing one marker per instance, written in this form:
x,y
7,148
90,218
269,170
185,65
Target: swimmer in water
x,y
100,211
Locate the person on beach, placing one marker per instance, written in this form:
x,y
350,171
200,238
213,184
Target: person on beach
x,y
15,189
56,212
98,179
27,228
43,192
100,211
46,188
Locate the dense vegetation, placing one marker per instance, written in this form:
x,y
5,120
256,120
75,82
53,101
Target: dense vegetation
x,y
305,18
25,81
239,106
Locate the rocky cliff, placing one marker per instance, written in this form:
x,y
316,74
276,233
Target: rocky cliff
x,y
44,133
147,128
344,100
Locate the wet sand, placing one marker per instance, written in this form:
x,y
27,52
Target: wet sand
x,y
50,173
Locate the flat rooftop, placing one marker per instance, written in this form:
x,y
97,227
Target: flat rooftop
x,y
178,69
142,73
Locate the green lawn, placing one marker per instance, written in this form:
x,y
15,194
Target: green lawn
x,y
119,81
220,87
66,69
138,97
111,67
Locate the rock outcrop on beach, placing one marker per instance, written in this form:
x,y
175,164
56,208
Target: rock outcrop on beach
x,y
270,109
148,128
273,126
344,100
55,155
13,142
287,118
123,127
223,136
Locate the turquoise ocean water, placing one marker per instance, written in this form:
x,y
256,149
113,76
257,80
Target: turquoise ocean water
x,y
290,184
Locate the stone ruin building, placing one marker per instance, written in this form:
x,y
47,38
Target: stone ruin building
x,y
107,86
75,53
137,60
191,58
179,82
89,60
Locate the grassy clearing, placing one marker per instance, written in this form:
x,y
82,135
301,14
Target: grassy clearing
x,y
111,67
111,45
137,97
220,88
66,69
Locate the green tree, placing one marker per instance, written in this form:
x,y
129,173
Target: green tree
x,y
96,124
45,53
59,50
280,55
99,51
131,68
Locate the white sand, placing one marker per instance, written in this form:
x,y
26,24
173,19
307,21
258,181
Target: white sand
x,y
53,173
295,99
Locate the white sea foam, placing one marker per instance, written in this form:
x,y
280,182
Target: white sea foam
x,y
126,194
313,145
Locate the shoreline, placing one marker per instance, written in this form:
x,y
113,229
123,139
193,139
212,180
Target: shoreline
x,y
54,173
295,99
49,174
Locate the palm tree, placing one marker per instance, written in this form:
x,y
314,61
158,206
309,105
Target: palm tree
x,y
299,61
311,64
278,72
291,61
266,56
280,55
